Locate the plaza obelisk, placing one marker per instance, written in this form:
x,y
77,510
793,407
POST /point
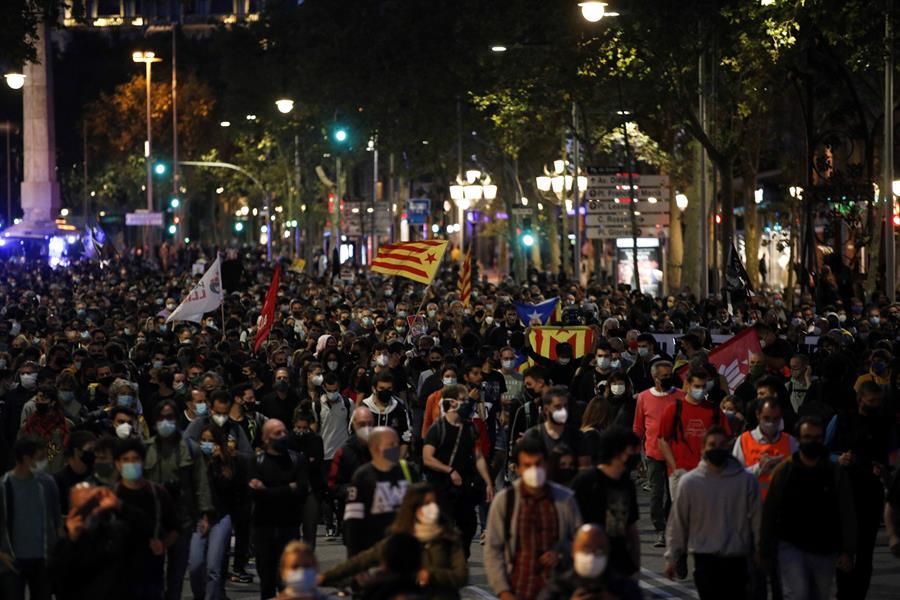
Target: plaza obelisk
x,y
40,188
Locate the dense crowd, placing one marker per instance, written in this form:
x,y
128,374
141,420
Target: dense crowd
x,y
140,452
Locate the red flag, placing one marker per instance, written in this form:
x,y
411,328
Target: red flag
x,y
264,325
732,359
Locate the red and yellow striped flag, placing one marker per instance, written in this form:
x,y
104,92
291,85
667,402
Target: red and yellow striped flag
x,y
545,339
418,261
465,279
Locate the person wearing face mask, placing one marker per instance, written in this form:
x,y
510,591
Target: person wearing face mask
x,y
49,424
347,459
279,488
607,497
15,399
456,463
556,428
430,378
433,407
283,400
716,514
218,416
528,413
79,455
683,425
331,413
764,448
152,516
592,376
879,370
649,409
560,371
645,354
211,537
29,521
591,574
443,570
809,521
389,410
861,442
518,566
173,462
299,573
375,492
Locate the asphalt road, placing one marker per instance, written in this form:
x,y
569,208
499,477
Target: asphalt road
x,y
885,579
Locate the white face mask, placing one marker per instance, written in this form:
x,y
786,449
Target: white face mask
x,y
509,365
29,380
589,565
449,380
617,389
534,477
332,365
123,430
381,360
220,420
560,416
316,380
564,361
363,433
429,513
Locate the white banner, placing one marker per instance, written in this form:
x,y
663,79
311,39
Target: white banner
x,y
206,297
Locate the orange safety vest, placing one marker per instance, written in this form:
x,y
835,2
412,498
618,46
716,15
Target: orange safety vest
x,y
754,451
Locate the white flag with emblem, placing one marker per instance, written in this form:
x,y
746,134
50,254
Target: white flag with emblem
x,y
206,297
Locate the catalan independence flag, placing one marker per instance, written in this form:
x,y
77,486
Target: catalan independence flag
x,y
465,279
544,340
418,261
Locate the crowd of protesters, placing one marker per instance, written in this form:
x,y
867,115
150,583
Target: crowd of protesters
x,y
140,453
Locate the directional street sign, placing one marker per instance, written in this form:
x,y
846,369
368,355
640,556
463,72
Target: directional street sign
x,y
624,218
611,193
603,233
153,219
611,206
521,211
621,179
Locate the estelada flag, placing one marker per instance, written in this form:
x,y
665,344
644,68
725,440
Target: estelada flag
x,y
465,279
267,318
732,359
544,340
418,261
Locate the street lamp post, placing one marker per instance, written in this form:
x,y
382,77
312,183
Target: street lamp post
x,y
559,183
148,58
465,193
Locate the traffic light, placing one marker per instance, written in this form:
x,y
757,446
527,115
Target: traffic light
x,y
896,220
340,135
160,168
239,226
173,229
528,239
174,203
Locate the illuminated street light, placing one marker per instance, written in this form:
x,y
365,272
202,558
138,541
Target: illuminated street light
x,y
15,80
594,11
758,195
498,48
225,124
681,201
284,105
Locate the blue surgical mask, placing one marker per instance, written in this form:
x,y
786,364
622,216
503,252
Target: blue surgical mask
x,y
132,471
392,454
165,428
207,448
66,395
125,400
301,581
201,409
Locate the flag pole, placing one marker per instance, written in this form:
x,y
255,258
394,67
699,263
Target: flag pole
x,y
424,299
224,295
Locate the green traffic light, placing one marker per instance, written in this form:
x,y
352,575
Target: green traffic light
x,y
340,135
174,203
159,169
528,240
239,227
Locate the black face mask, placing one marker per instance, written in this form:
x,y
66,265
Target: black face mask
x,y
384,396
282,444
465,410
88,457
717,457
813,450
671,382
42,408
564,476
281,386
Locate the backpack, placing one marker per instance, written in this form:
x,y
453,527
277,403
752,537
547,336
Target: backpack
x,y
679,428
317,410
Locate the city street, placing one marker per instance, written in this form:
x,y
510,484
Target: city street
x,y
885,579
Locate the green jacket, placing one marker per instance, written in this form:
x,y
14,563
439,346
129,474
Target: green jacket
x,y
182,471
443,558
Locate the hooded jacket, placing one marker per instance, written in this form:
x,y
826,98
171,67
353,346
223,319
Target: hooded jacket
x,y
715,512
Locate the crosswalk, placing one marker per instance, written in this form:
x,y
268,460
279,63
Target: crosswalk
x,y
653,584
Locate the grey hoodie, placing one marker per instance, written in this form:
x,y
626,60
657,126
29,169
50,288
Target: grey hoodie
x,y
715,512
